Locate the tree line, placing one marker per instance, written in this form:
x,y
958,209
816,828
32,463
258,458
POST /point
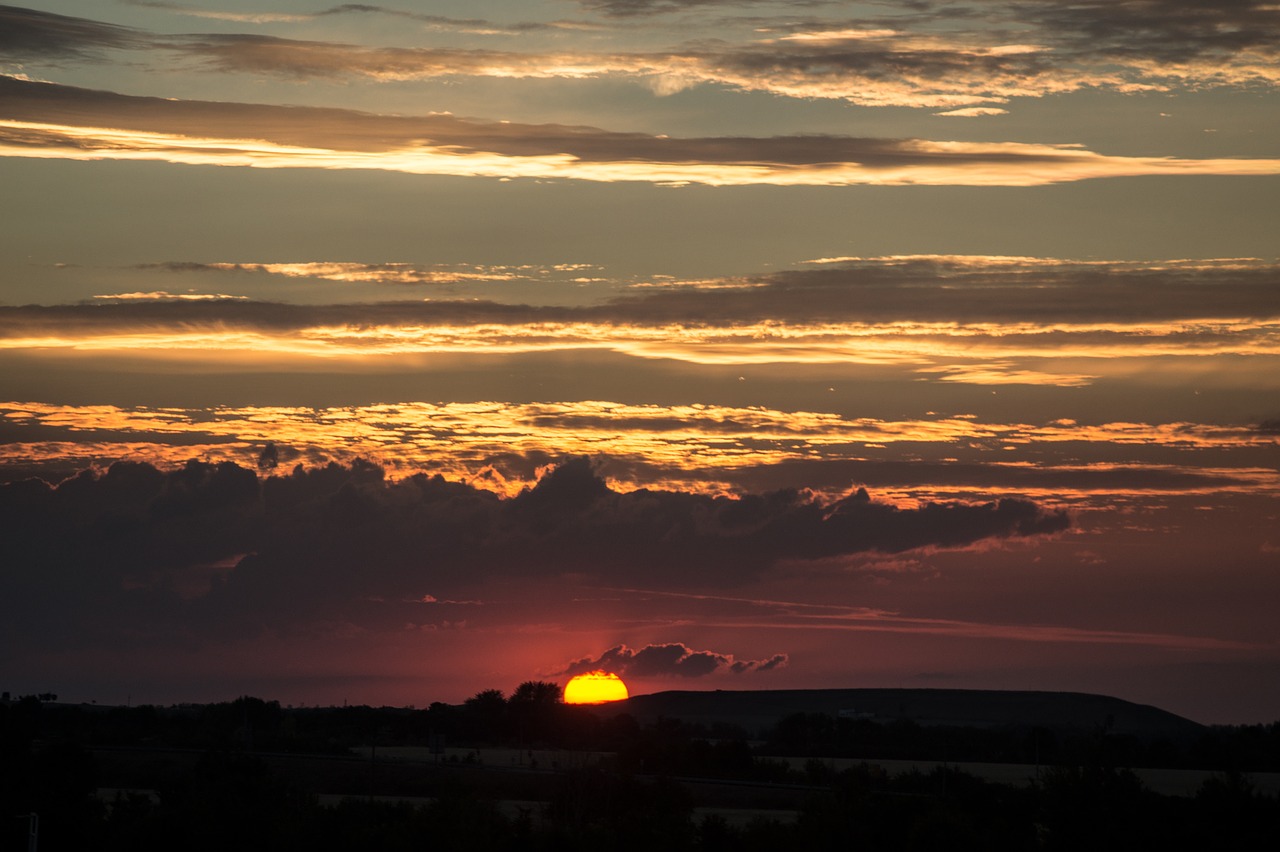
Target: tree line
x,y
214,776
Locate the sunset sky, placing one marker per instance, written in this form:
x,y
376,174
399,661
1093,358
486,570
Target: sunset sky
x,y
389,353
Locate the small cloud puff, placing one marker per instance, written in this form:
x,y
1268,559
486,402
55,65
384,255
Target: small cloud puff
x,y
672,659
972,112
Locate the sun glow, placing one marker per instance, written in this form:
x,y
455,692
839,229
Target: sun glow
x,y
594,688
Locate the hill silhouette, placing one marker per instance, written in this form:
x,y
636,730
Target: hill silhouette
x,y
978,708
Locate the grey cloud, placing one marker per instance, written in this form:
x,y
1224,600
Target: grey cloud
x,y
473,24
29,33
627,8
438,21
111,557
961,289
306,59
637,8
882,59
672,659
1164,30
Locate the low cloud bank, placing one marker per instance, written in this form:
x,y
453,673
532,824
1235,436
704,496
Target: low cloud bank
x,y
135,555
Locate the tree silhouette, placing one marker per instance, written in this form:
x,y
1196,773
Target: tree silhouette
x,y
484,715
534,708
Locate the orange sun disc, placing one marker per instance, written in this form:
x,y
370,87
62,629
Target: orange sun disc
x,y
594,688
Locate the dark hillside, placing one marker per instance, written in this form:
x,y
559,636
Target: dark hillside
x,y
1059,711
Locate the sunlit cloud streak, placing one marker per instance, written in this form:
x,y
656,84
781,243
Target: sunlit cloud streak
x,y
709,449
94,125
164,295
349,272
975,356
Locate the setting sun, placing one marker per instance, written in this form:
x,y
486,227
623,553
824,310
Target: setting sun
x,y
594,688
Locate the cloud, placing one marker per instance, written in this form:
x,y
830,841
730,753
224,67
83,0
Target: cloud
x,y
623,8
349,272
758,614
441,22
673,659
220,15
110,555
989,321
27,33
1015,632
51,121
165,296
972,112
956,55
851,62
973,300
1175,32
708,449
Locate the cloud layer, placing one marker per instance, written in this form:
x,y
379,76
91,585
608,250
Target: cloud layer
x,y
968,320
47,120
923,55
207,550
501,447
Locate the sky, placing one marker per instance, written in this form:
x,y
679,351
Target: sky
x,y
390,353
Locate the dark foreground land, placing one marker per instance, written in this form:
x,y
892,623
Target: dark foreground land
x,y
837,769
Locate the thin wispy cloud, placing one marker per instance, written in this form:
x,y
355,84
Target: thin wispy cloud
x,y
796,615
476,26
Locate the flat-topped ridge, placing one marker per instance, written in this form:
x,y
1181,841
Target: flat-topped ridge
x,y
982,708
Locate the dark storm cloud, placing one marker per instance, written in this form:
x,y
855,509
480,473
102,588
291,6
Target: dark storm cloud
x,y
134,554
673,659
27,33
